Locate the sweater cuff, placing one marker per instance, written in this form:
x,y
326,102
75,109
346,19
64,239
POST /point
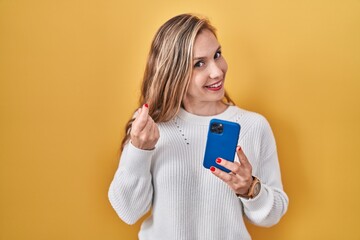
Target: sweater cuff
x,y
261,202
136,161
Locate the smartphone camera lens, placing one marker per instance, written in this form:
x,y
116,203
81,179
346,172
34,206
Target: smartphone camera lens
x,y
216,128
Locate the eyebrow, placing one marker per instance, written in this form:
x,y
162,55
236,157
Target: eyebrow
x,y
200,58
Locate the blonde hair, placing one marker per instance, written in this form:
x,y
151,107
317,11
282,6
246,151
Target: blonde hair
x,y
169,67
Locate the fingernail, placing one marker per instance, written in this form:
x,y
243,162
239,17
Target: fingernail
x,y
212,169
146,105
218,160
239,148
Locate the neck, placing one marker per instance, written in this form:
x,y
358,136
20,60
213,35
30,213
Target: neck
x,y
205,108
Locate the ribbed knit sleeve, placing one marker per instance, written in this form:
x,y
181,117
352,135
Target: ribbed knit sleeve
x,y
131,191
272,202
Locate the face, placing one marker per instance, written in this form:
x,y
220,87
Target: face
x,y
206,85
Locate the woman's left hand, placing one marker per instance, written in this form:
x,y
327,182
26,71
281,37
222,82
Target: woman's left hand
x,y
240,177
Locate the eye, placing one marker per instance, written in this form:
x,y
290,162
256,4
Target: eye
x,y
217,54
199,64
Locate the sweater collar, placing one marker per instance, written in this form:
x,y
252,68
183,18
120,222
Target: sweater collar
x,y
204,120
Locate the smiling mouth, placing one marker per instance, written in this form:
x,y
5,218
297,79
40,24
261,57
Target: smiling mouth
x,y
215,87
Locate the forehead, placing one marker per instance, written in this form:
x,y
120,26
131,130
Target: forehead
x,y
205,44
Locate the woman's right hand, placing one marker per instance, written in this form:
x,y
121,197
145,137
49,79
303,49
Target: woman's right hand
x,y
144,132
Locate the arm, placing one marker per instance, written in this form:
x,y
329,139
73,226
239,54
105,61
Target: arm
x,y
131,191
272,202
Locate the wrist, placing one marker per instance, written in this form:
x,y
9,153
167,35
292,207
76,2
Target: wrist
x,y
245,193
141,146
253,191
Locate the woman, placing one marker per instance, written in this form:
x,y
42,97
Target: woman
x,y
161,163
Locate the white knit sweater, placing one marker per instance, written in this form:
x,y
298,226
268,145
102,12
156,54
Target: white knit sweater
x,y
187,201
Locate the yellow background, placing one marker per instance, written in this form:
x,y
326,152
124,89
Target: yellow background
x,y
70,72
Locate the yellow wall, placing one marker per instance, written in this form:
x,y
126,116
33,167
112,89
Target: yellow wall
x,y
69,79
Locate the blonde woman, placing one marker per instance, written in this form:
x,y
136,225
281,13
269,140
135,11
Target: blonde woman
x,y
161,166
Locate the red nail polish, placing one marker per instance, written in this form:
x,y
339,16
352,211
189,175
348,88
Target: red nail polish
x,y
146,105
239,148
218,160
212,169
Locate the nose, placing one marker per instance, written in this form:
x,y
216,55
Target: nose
x,y
215,70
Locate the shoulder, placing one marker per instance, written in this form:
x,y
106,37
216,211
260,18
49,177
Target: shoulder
x,y
246,115
250,121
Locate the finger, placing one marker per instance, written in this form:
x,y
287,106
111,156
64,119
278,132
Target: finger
x,y
239,172
147,130
155,131
141,120
232,166
242,157
238,184
152,135
221,174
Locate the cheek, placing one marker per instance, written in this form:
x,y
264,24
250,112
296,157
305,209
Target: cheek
x,y
198,80
224,65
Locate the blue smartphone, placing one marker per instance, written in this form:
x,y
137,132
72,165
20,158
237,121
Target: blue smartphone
x,y
222,140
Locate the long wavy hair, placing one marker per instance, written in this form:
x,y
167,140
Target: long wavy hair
x,y
169,68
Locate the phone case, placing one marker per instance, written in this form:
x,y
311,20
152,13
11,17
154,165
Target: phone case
x,y
221,142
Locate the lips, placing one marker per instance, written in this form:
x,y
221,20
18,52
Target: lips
x,y
215,87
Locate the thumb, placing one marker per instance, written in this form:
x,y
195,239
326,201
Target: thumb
x,y
142,117
144,110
